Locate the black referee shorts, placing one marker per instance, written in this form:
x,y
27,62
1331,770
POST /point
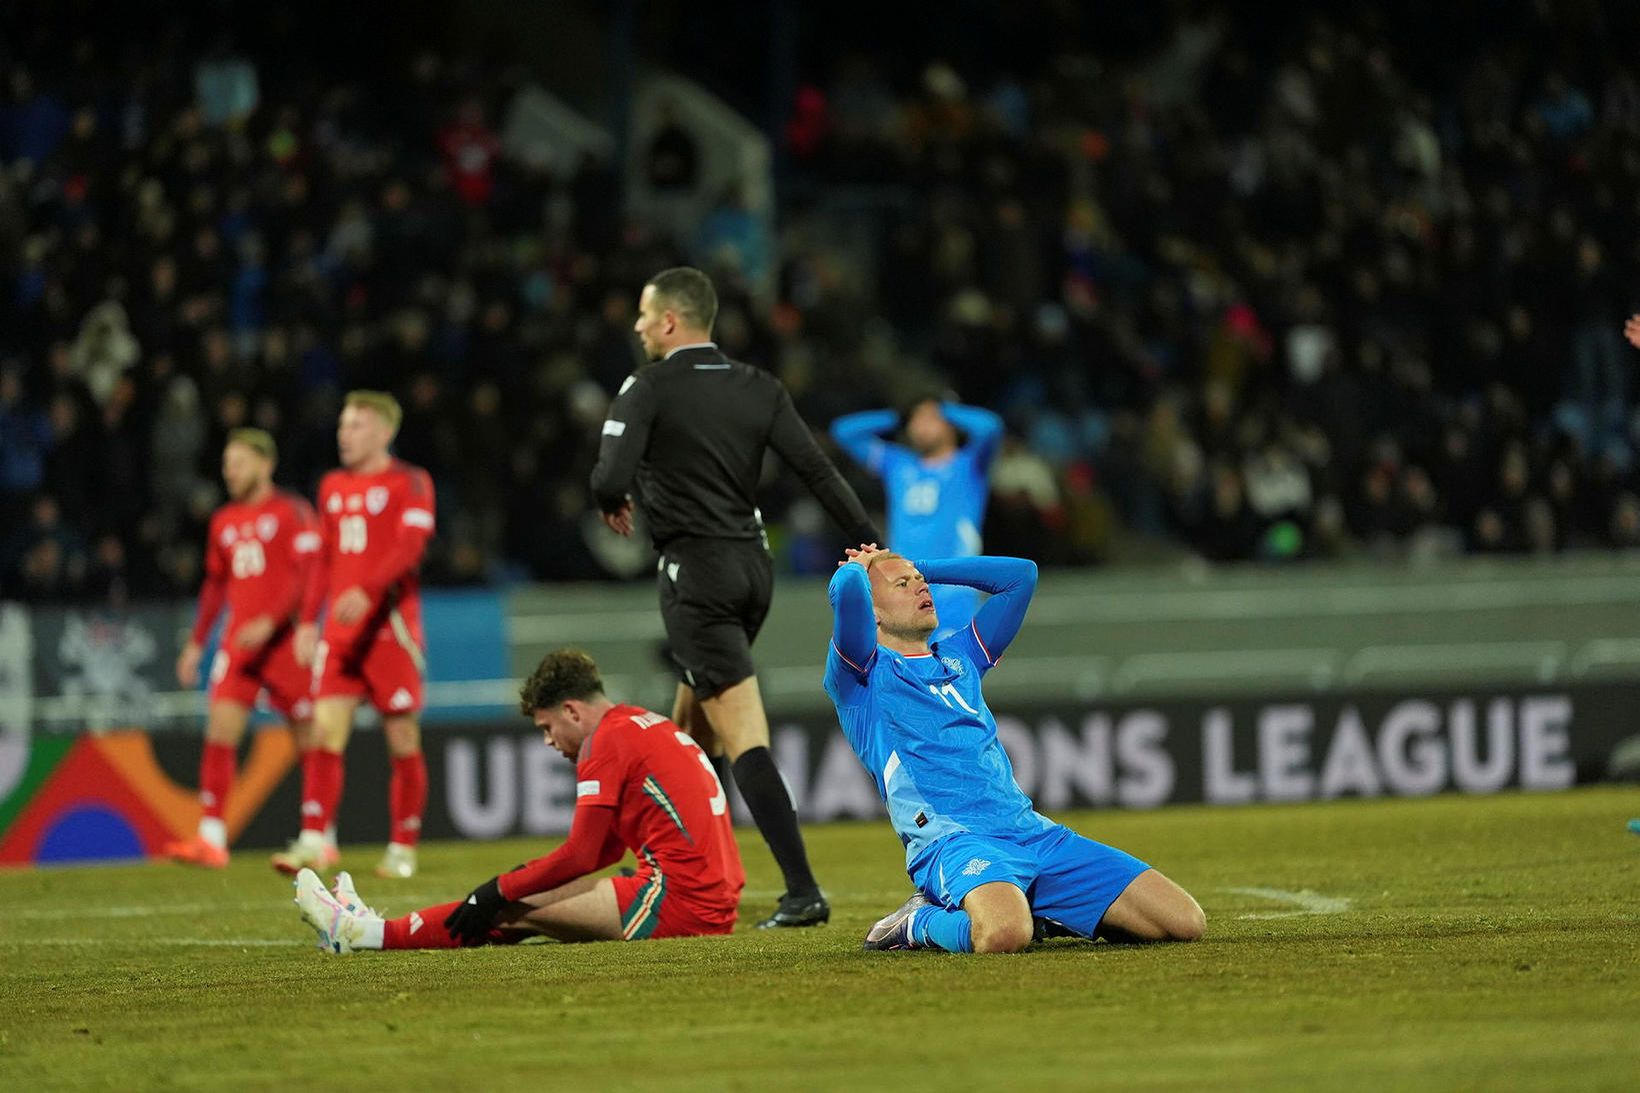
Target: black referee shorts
x,y
714,597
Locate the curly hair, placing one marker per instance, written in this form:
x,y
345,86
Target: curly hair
x,y
562,675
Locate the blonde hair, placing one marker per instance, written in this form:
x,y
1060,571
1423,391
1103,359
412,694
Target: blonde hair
x,y
385,405
882,556
259,441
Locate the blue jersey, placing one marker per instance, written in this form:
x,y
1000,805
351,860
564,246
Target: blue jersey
x,y
919,723
935,510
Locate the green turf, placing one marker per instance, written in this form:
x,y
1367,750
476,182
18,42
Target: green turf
x,y
1489,943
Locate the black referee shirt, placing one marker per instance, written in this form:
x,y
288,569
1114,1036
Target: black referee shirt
x,y
690,432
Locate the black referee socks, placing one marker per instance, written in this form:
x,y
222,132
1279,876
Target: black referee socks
x,y
770,804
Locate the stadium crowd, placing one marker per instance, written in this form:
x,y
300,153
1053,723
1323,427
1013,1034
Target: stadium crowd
x,y
1262,296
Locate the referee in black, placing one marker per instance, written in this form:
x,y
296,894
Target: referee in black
x,y
689,432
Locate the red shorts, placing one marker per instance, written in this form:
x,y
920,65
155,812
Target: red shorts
x,y
648,910
386,669
239,675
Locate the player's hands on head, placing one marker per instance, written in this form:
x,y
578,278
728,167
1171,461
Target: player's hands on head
x,y
862,554
255,633
473,919
351,605
620,521
188,664
306,643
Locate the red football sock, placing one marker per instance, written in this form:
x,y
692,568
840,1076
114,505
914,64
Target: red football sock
x,y
407,797
422,929
215,778
321,788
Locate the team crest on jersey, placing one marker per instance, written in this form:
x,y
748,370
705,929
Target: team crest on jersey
x,y
375,499
954,664
267,526
354,502
229,534
334,503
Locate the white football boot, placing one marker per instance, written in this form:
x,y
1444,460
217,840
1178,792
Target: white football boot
x,y
398,863
348,896
338,928
309,850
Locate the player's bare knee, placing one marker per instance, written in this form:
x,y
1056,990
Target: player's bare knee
x,y
1007,935
1187,922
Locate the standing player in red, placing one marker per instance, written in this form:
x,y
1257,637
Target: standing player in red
x,y
642,784
376,515
259,549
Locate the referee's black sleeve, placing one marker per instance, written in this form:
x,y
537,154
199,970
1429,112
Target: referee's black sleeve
x,y
625,437
790,437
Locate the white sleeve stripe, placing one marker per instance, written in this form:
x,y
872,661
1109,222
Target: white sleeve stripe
x,y
614,428
418,518
588,788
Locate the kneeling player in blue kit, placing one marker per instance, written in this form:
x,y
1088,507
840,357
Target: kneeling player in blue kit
x,y
991,872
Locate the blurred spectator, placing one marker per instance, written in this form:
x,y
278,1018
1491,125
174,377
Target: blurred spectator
x,y
1258,288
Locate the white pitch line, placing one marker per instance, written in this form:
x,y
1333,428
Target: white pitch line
x,y
1308,902
225,942
155,910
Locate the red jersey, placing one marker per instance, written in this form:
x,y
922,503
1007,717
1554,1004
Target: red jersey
x,y
257,558
373,529
669,810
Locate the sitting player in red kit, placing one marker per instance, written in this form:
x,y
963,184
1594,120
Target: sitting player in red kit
x,y
376,515
642,784
257,555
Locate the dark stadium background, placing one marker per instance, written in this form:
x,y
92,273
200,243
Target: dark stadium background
x,y
1306,326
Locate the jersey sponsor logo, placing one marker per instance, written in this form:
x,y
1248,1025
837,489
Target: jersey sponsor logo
x,y
229,536
614,428
976,866
267,526
417,518
354,503
375,499
401,700
589,788
333,503
954,665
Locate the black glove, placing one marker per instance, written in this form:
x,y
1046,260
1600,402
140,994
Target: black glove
x,y
472,920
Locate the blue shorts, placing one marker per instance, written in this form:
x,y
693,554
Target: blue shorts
x,y
1066,877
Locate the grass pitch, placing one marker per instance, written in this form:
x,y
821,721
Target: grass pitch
x,y
1442,943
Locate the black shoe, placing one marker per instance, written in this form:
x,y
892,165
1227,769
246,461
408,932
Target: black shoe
x,y
1044,928
798,911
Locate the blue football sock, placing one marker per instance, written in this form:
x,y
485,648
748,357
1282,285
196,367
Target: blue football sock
x,y
941,929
